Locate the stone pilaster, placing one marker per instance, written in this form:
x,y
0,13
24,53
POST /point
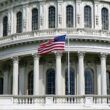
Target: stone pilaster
x,y
78,14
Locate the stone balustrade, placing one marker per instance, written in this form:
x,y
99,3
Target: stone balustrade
x,y
89,99
48,34
54,102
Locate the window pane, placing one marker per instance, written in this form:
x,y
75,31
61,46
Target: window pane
x,y
69,16
5,26
87,16
72,82
19,22
50,81
89,83
51,17
30,83
105,22
34,19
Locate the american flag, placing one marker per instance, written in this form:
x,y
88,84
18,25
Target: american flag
x,y
56,44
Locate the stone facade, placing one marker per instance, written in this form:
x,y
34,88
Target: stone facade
x,y
24,76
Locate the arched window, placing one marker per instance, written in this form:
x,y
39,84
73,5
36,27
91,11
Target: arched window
x,y
30,83
72,82
34,19
89,81
105,19
50,81
108,83
51,17
5,26
19,22
69,16
87,17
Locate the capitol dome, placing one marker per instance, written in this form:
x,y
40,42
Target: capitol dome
x,y
36,81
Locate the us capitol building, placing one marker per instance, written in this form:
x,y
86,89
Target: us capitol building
x,y
29,81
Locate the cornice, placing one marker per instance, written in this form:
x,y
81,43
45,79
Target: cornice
x,y
43,35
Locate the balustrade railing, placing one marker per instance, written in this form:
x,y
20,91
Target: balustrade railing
x,y
91,99
28,99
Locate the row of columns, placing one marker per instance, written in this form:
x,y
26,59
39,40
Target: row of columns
x,y
16,71
81,83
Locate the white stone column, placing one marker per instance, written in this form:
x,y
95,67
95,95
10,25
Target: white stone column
x,y
103,75
58,74
22,79
5,82
36,75
81,82
15,75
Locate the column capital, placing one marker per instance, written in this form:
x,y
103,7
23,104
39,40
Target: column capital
x,y
103,55
15,58
58,53
35,55
81,53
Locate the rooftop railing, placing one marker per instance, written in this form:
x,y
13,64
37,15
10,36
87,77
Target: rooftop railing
x,y
51,102
71,99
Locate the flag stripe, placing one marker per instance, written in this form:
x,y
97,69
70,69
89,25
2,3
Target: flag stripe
x,y
58,43
51,45
52,48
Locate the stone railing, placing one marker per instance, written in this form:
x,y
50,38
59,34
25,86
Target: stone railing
x,y
28,99
91,99
50,33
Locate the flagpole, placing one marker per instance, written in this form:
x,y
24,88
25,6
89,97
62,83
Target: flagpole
x,y
68,67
